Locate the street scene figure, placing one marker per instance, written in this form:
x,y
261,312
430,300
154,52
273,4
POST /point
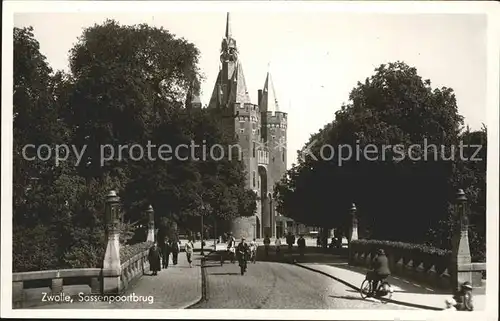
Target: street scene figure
x,y
243,253
253,250
175,246
166,250
231,248
277,246
290,240
463,297
154,258
380,270
301,244
267,243
189,248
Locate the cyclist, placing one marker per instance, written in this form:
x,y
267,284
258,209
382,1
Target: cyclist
x,y
463,297
243,252
380,272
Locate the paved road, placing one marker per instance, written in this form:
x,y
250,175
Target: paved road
x,y
272,285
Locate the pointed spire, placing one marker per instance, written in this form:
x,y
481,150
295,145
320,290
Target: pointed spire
x,y
228,26
269,100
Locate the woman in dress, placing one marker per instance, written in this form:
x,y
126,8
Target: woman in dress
x,y
154,258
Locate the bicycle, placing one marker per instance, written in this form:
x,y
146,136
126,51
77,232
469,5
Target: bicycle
x,y
384,289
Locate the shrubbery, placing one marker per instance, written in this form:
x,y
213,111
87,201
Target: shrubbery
x,y
391,246
128,251
34,249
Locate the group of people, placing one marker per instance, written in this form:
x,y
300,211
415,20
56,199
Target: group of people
x,y
159,254
242,251
290,241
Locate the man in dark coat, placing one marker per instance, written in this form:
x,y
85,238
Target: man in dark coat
x,y
381,270
267,242
175,248
290,240
243,252
154,259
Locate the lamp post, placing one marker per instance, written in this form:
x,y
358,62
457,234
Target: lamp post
x,y
354,227
151,224
461,250
202,228
111,263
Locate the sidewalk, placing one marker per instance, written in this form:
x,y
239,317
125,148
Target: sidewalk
x,y
176,287
405,292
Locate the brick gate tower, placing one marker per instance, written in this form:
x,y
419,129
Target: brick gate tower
x,y
261,130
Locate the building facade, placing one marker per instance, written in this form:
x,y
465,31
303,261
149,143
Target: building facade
x,y
262,134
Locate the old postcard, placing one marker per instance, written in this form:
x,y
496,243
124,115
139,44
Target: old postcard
x,y
265,160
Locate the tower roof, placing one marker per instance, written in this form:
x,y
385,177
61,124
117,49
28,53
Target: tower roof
x,y
269,101
230,86
228,26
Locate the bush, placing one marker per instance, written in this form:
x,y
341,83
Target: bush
x,y
34,249
391,246
85,256
128,251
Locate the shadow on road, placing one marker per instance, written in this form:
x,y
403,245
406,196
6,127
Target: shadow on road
x,y
226,273
346,297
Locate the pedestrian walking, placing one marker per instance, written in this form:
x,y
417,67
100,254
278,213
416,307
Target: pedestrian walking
x,y
301,243
189,248
154,257
267,243
175,250
290,240
166,250
277,245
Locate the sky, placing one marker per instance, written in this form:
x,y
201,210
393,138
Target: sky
x,y
315,59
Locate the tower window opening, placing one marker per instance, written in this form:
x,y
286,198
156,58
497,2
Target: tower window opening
x,y
254,184
283,156
242,130
254,148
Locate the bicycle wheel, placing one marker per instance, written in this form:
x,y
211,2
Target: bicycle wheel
x,y
388,295
365,289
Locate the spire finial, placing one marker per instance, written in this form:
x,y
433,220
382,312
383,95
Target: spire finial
x,y
228,26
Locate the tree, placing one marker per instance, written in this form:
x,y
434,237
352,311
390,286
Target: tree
x,y
127,85
392,188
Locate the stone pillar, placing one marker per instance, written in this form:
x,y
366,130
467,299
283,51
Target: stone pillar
x,y
151,224
460,257
354,226
112,265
